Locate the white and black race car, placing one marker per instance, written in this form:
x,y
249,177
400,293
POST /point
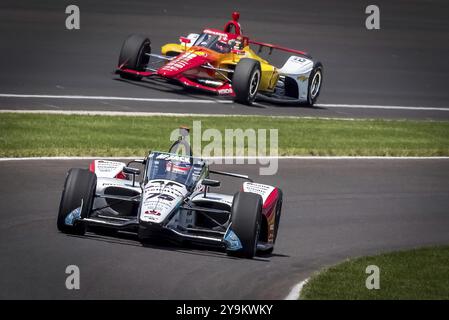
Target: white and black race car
x,y
171,198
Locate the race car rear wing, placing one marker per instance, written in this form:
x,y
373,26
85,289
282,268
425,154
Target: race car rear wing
x,y
273,46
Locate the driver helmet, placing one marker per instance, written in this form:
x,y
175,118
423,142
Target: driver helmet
x,y
205,40
220,46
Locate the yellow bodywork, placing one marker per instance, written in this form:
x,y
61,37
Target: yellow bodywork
x,y
270,74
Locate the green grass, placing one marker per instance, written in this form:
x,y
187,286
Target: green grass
x,y
415,274
23,135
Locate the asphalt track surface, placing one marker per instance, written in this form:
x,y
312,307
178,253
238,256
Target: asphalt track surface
x,y
333,209
404,63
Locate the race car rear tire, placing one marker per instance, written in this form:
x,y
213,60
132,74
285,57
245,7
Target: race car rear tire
x,y
315,84
79,187
133,55
246,80
246,216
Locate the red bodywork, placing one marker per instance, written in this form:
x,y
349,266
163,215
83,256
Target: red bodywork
x,y
183,65
272,199
199,62
187,66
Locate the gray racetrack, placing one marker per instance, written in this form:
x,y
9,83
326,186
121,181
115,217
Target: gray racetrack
x,y
333,209
404,63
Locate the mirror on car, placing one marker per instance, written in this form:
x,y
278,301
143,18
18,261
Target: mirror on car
x,y
130,170
210,183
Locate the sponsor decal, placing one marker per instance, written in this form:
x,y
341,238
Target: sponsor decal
x,y
153,212
225,91
298,59
223,36
180,62
181,168
108,169
262,189
173,157
106,166
160,198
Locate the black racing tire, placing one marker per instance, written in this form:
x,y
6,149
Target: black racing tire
x,y
80,185
315,84
246,80
133,55
246,215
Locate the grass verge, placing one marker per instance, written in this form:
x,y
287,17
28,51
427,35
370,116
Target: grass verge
x,y
24,135
414,274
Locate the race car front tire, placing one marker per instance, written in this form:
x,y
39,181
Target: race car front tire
x,y
246,80
133,55
315,84
79,190
246,216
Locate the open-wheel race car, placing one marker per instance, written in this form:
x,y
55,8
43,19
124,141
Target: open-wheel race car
x,y
171,199
223,62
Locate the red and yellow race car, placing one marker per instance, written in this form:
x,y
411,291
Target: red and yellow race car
x,y
223,62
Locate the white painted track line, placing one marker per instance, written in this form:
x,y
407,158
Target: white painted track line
x,y
171,114
295,292
114,113
82,97
237,158
163,100
363,106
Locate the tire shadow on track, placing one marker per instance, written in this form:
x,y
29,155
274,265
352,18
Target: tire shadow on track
x,y
128,239
169,87
264,105
172,87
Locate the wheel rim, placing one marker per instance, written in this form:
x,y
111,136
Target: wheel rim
x,y
315,85
254,83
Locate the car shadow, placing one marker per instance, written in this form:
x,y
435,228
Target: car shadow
x,y
260,103
174,88
130,239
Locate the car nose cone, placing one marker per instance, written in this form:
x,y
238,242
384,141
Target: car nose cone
x,y
182,63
